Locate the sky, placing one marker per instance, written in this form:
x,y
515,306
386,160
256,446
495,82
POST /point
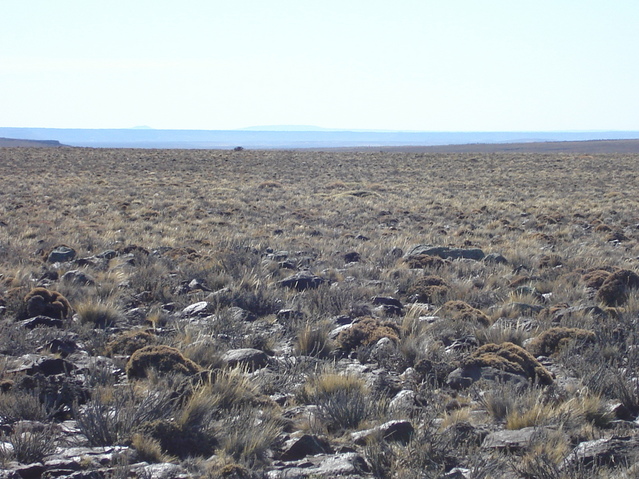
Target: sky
x,y
418,65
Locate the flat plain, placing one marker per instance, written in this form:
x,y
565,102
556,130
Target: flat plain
x,y
270,313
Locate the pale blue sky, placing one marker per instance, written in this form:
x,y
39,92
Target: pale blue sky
x,y
444,65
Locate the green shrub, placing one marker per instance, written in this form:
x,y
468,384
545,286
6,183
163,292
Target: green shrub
x,y
365,332
162,359
551,341
41,301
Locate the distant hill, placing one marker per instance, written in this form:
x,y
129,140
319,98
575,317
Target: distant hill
x,y
575,147
301,138
16,142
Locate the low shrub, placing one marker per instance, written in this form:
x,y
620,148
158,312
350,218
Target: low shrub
x,y
365,332
551,341
29,444
113,416
162,359
463,311
41,301
510,358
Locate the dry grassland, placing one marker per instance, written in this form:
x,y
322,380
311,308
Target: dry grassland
x,y
146,223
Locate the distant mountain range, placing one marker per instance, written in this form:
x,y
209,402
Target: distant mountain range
x,y
291,136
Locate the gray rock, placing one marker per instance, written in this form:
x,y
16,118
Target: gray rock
x,y
511,440
302,281
306,445
397,431
290,314
40,320
252,358
348,465
95,456
51,366
160,471
60,254
446,252
107,254
239,314
495,258
78,277
30,471
201,308
62,346
387,300
198,285
604,452
404,400
462,378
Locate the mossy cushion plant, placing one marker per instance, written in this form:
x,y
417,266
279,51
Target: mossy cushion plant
x,y
365,332
129,342
428,289
614,290
41,301
464,311
510,358
160,358
554,339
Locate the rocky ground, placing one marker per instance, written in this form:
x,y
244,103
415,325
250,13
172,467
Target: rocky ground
x,y
248,314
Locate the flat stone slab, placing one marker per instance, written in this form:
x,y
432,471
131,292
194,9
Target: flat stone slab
x,y
445,252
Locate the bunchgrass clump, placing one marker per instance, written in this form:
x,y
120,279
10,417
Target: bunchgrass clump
x,y
343,400
99,314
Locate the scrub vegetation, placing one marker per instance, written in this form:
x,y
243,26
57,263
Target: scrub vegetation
x,y
247,314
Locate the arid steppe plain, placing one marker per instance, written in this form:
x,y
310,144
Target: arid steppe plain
x,y
283,314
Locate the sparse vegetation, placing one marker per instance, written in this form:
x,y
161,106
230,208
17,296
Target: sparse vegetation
x,y
178,265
